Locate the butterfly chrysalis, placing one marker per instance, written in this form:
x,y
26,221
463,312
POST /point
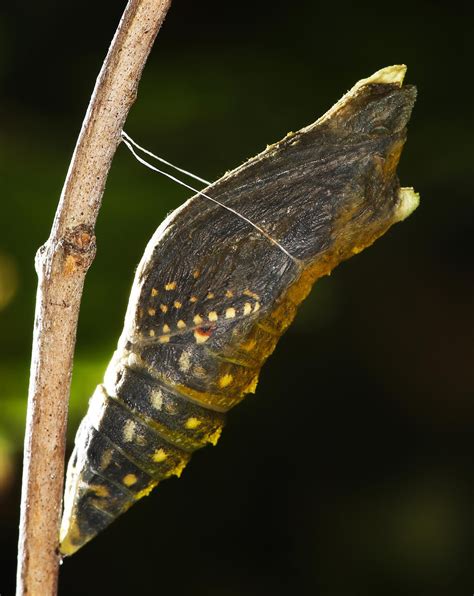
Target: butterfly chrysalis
x,y
219,283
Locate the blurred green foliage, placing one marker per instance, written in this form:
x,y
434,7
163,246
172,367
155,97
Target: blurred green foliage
x,y
350,471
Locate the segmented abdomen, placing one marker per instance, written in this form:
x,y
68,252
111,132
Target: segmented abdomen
x,y
136,433
142,427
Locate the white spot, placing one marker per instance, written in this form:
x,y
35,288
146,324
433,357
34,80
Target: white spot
x,y
156,399
247,308
184,362
129,430
230,313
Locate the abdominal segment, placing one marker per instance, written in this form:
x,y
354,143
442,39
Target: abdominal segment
x,y
129,442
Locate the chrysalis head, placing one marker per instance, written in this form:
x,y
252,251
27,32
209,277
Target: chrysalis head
x,y
342,191
375,107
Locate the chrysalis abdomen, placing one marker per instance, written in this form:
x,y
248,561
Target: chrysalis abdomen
x,y
213,294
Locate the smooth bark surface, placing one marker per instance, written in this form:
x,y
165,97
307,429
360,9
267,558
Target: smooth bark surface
x,y
62,264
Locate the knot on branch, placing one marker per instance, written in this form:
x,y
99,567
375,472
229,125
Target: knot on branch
x,y
78,245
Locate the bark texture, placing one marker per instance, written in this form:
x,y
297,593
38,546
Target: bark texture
x,y
62,263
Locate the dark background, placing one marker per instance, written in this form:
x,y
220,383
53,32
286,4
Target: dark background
x,y
350,472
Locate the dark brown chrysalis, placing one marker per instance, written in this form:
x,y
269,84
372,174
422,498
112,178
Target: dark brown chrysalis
x,y
213,294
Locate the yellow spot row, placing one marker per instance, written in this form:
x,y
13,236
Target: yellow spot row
x,y
212,316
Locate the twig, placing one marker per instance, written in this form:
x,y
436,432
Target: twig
x,y
62,264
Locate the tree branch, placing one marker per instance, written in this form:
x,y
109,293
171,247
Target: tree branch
x,y
62,264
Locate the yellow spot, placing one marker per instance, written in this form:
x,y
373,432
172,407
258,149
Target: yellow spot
x,y
249,346
129,429
177,471
159,456
99,490
192,423
156,399
247,308
166,328
181,324
164,339
151,333
184,362
151,312
177,304
230,313
210,296
212,316
129,479
251,294
214,437
256,306
225,380
229,294
193,299
196,273
197,320
163,308
154,292
252,385
147,490
200,338
140,313
170,286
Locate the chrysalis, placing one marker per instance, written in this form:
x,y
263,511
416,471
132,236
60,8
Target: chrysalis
x,y
215,291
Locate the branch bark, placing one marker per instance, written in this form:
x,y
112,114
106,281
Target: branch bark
x,y
61,265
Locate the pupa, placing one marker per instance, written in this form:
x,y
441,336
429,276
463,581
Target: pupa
x,y
219,283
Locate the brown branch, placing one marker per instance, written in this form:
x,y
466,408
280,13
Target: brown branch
x,y
62,264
